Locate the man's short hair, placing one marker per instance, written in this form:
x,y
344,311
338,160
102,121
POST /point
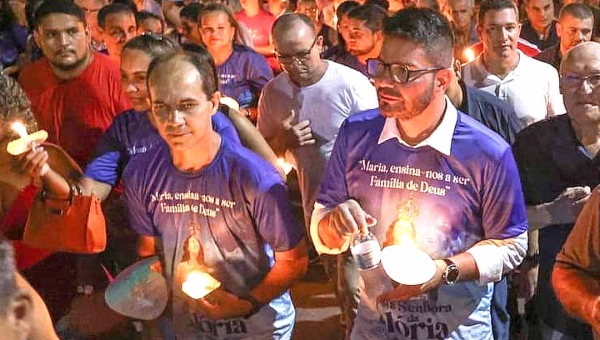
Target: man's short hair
x,y
202,62
381,3
8,281
114,8
372,15
427,28
286,22
495,5
192,12
576,10
49,7
345,8
145,15
470,3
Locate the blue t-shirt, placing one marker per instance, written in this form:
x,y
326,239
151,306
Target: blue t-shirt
x,y
243,75
131,134
238,210
452,201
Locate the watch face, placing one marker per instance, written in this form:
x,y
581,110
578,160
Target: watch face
x,y
451,274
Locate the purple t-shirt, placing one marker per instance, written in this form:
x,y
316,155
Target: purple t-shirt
x,y
238,210
243,75
131,134
452,201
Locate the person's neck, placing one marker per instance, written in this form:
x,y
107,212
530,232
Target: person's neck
x,y
70,74
276,9
374,53
251,10
221,56
196,159
415,130
456,95
500,67
315,77
542,32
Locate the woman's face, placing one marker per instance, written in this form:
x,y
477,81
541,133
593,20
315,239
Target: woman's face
x,y
216,31
134,67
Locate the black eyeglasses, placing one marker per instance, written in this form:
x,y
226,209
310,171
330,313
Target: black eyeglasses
x,y
300,57
398,73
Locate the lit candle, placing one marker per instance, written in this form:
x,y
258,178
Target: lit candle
x,y
469,54
25,142
198,284
401,259
287,167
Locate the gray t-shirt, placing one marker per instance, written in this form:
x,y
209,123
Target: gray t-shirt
x,y
341,92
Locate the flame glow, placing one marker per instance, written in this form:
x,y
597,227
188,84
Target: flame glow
x,y
469,54
19,128
199,284
287,167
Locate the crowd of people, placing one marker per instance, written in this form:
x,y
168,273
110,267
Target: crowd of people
x,y
469,128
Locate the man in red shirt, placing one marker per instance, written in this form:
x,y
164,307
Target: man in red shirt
x,y
75,93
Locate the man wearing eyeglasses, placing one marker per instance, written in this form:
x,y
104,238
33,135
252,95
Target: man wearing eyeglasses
x,y
300,112
557,161
528,85
458,177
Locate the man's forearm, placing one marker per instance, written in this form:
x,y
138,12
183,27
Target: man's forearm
x,y
289,267
56,184
577,291
277,144
538,216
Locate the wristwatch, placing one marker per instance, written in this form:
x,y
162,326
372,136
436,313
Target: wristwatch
x,y
451,273
256,306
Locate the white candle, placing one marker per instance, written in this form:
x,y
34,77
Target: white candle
x,y
25,142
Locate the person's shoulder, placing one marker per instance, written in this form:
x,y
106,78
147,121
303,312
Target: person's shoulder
x,y
266,15
365,121
545,131
30,74
489,100
343,74
537,68
479,137
129,118
548,54
248,166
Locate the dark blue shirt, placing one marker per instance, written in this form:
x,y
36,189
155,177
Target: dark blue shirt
x,y
341,56
529,34
550,160
490,111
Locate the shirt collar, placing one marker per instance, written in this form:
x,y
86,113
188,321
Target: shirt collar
x,y
440,139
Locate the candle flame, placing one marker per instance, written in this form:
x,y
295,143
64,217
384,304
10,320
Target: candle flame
x,y
19,128
469,54
198,284
287,167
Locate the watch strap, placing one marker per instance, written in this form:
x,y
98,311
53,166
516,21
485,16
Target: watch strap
x,y
256,305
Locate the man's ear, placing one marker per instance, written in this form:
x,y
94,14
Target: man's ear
x,y
558,29
37,36
443,79
20,314
216,102
456,65
479,30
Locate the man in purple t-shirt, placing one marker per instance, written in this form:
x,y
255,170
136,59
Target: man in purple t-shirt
x,y
216,208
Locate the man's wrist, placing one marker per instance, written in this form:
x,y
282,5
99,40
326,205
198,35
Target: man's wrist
x,y
252,304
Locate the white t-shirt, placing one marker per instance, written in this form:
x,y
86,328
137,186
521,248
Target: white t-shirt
x,y
531,89
340,93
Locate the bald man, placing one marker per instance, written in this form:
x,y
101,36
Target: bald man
x,y
300,112
557,166
576,273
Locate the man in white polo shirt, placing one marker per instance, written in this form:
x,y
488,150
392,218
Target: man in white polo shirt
x,y
528,85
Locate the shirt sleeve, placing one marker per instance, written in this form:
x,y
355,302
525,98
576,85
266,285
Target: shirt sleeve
x,y
139,219
504,221
582,248
110,157
265,122
332,192
224,127
555,102
275,218
364,96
